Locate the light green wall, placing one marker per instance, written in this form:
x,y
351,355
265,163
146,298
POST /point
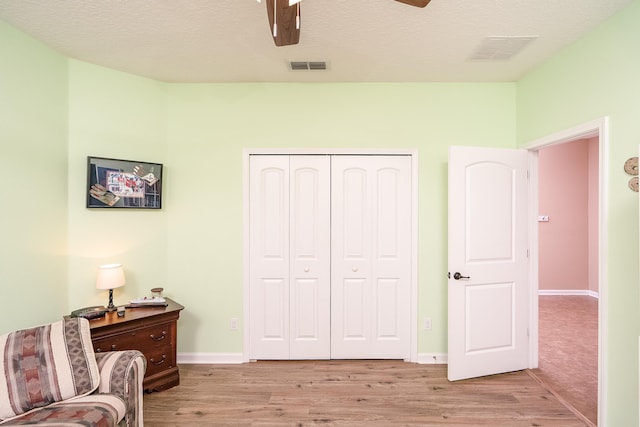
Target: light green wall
x,y
208,127
114,115
595,77
33,173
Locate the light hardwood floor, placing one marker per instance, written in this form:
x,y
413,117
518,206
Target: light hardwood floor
x,y
351,393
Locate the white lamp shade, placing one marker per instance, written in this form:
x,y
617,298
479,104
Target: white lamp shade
x,y
110,276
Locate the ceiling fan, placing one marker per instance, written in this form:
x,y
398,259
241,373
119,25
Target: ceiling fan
x,y
284,19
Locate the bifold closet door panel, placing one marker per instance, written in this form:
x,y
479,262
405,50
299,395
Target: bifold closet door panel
x,y
310,245
289,257
371,257
269,256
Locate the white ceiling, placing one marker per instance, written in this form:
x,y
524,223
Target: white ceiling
x,y
361,40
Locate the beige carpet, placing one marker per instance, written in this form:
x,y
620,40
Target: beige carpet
x,y
569,350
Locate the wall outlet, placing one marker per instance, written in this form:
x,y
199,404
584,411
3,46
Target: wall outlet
x,y
426,324
234,324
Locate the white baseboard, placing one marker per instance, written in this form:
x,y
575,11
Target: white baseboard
x,y
210,358
432,358
583,292
237,358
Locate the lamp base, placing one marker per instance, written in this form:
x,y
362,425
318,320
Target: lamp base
x,y
111,307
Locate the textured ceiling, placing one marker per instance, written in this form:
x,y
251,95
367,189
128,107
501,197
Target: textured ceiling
x,y
361,40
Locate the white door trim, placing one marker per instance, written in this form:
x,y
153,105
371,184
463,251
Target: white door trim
x,y
247,152
599,128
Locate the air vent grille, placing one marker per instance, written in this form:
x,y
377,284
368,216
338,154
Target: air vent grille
x,y
500,48
307,65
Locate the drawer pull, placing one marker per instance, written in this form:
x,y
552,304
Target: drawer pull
x,y
159,362
160,338
99,349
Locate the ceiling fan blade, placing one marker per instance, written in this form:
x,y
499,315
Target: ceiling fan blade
x,y
416,3
286,20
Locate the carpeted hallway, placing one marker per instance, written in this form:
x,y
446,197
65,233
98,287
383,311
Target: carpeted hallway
x,y
568,359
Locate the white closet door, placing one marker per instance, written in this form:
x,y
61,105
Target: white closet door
x,y
310,240
269,256
289,256
371,257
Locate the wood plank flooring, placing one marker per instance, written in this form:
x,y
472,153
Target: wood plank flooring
x,y
351,393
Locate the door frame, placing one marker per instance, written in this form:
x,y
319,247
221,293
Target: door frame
x,y
600,128
413,153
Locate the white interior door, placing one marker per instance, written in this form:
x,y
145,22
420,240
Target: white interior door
x,y
371,257
488,247
289,277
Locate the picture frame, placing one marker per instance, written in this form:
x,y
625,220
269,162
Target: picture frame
x,y
129,184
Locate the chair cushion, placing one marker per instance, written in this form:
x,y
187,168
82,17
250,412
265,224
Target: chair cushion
x,y
46,364
100,410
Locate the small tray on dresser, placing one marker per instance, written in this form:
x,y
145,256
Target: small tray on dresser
x,y
150,329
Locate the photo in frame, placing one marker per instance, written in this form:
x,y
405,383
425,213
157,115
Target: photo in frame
x,y
115,183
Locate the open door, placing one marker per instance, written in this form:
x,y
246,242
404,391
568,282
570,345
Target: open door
x,y
488,262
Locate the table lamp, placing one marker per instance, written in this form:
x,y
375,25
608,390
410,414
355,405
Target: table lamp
x,y
110,276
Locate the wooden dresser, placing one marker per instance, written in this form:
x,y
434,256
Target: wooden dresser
x,y
153,331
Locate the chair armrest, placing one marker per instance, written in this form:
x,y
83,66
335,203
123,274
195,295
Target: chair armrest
x,y
122,373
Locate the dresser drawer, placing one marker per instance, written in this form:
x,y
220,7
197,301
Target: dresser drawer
x,y
159,359
146,339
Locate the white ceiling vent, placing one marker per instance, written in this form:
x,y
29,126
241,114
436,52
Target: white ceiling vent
x,y
307,65
500,48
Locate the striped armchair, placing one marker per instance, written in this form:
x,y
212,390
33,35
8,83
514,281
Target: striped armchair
x,y
50,375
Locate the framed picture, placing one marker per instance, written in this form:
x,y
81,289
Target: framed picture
x,y
114,183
